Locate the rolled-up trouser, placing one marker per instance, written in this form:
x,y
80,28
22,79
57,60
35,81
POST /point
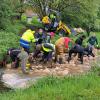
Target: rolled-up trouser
x,y
23,65
23,56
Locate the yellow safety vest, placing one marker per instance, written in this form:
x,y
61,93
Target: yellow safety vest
x,y
28,36
47,49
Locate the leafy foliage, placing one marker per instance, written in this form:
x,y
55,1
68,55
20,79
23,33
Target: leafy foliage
x,y
76,13
7,40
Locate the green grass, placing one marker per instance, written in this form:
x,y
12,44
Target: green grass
x,y
98,37
83,87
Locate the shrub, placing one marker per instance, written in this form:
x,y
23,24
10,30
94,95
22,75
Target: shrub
x,y
14,28
23,18
36,22
7,40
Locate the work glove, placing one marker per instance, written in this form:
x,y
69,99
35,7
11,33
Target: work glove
x,y
36,40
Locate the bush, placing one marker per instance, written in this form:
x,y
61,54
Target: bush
x,y
23,18
36,22
14,28
7,40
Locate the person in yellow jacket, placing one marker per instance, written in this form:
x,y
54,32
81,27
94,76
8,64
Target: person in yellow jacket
x,y
27,37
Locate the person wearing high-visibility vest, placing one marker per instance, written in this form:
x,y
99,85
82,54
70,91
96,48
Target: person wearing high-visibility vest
x,y
47,49
26,39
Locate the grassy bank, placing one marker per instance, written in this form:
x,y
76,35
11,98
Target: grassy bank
x,y
84,87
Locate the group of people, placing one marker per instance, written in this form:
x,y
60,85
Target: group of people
x,y
78,48
51,23
42,43
44,46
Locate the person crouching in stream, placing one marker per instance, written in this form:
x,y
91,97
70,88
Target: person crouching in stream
x,y
62,45
19,57
13,53
81,51
47,49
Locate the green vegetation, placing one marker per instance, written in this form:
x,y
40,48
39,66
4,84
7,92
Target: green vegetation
x,y
10,38
76,13
82,87
7,40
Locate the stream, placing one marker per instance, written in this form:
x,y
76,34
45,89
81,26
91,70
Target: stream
x,y
11,81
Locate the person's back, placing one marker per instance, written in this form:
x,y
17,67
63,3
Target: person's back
x,y
13,53
66,42
48,47
76,49
28,36
26,39
60,41
88,51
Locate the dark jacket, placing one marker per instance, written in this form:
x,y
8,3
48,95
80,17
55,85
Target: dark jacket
x,y
92,40
79,41
13,53
41,38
